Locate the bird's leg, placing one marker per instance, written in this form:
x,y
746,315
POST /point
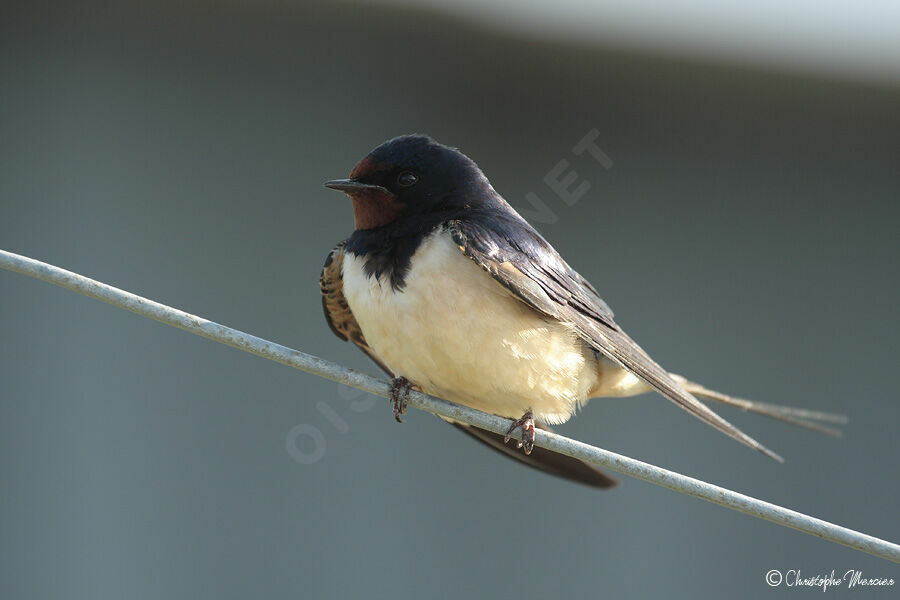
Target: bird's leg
x,y
400,387
526,423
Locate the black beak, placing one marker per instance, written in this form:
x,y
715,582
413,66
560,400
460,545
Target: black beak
x,y
351,185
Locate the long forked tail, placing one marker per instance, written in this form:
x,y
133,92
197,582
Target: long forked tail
x,y
809,419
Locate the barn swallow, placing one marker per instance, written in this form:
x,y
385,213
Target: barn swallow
x,y
451,292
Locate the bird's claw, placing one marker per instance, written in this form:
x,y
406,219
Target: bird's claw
x,y
526,424
400,387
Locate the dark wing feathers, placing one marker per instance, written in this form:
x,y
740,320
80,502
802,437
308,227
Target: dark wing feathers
x,y
517,256
541,458
528,266
341,321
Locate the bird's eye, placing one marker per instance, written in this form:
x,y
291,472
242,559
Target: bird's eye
x,y
407,178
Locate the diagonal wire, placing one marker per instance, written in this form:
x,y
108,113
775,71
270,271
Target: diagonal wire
x,y
557,443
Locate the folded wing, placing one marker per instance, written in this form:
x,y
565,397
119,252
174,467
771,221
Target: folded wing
x,y
508,248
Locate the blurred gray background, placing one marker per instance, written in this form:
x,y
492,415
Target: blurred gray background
x,y
746,235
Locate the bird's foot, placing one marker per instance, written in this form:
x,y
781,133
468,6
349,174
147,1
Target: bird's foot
x,y
400,387
526,424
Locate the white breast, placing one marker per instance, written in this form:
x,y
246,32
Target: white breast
x,y
458,334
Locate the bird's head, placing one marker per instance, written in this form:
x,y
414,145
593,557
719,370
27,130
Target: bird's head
x,y
412,175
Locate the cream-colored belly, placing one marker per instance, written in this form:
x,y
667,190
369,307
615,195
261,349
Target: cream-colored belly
x,y
457,334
